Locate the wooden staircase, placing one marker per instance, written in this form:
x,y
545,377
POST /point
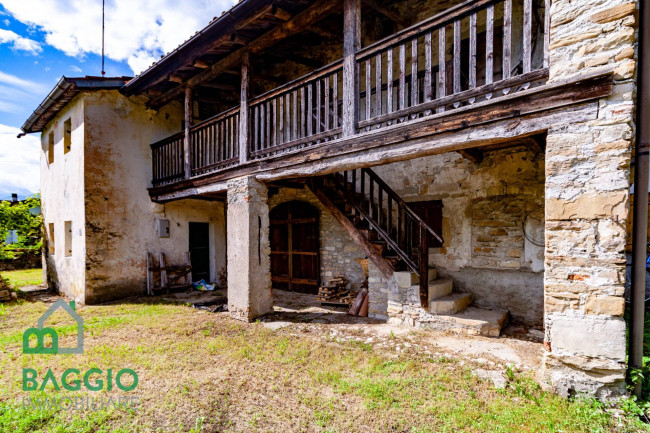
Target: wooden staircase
x,y
393,236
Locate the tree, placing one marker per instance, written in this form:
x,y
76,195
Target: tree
x,y
28,225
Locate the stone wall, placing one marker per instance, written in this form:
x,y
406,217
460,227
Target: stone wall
x,y
338,253
587,202
486,252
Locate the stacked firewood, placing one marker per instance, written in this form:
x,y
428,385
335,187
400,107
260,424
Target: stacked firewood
x,y
336,291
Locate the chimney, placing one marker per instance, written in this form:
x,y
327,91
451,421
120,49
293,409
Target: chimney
x,y
14,198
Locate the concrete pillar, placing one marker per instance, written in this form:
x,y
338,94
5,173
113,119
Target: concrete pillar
x,y
249,262
587,203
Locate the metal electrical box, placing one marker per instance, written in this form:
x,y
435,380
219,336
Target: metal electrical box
x,y
163,228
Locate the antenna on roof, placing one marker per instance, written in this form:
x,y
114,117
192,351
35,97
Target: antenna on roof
x,y
103,7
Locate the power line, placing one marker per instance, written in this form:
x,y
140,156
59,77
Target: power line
x,y
103,9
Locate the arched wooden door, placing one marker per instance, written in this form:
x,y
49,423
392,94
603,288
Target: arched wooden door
x,y
295,247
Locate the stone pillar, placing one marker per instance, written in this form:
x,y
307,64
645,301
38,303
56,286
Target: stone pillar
x,y
249,250
587,203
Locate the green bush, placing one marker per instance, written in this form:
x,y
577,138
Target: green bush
x,y
29,227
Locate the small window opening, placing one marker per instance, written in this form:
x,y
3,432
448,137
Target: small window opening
x,y
68,238
50,148
67,136
50,232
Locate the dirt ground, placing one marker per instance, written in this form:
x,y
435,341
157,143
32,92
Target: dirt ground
x,y
519,347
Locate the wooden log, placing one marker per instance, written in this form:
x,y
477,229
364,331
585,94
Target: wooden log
x,y
188,136
243,110
351,43
527,36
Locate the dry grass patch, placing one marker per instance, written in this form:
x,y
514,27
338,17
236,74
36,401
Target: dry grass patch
x,y
205,372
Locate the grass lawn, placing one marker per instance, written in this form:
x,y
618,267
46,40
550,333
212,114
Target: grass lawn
x,y
22,278
200,371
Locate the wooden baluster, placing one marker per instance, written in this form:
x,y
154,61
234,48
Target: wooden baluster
x,y
371,184
442,65
489,48
456,60
414,75
281,119
368,91
428,70
472,54
547,32
389,82
326,88
402,78
264,126
527,37
294,116
256,128
303,114
507,41
380,205
400,237
335,100
354,182
378,111
310,114
318,107
389,226
270,125
363,188
287,116
423,265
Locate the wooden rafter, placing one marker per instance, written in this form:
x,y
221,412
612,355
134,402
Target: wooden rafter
x,y
297,24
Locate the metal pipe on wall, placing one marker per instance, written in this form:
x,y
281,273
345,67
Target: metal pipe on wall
x,y
640,217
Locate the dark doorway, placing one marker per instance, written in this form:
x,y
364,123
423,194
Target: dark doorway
x,y
200,251
431,213
295,247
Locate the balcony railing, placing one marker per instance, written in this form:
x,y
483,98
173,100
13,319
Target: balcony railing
x,y
474,52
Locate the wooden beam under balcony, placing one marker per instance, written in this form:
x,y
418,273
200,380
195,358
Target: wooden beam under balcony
x,y
301,22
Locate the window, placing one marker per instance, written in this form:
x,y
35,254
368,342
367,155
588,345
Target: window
x,y
68,238
50,148
50,233
67,136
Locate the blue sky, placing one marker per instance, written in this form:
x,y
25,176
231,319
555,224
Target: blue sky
x,y
42,40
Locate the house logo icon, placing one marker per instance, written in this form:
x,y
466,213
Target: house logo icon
x,y
42,331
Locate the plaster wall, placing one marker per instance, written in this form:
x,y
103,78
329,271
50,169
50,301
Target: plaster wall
x,y
62,193
120,218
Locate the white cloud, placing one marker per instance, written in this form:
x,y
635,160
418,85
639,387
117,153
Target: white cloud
x,y
19,43
75,69
19,160
20,83
137,32
15,92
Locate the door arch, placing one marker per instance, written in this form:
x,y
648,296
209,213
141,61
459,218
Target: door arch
x,y
295,247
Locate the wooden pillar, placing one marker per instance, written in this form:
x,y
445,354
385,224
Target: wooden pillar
x,y
243,111
188,125
351,44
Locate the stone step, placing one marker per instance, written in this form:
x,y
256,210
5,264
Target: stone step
x,y
406,279
439,288
450,304
473,321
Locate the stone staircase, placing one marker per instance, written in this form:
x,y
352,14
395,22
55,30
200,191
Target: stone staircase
x,y
447,310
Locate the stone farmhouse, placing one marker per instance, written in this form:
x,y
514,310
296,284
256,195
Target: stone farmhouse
x,y
477,153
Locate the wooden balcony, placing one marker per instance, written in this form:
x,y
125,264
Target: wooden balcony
x,y
475,54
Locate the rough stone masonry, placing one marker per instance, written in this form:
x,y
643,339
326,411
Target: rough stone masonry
x,y
587,202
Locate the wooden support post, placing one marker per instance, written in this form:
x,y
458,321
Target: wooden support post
x,y
351,43
243,111
188,124
163,273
